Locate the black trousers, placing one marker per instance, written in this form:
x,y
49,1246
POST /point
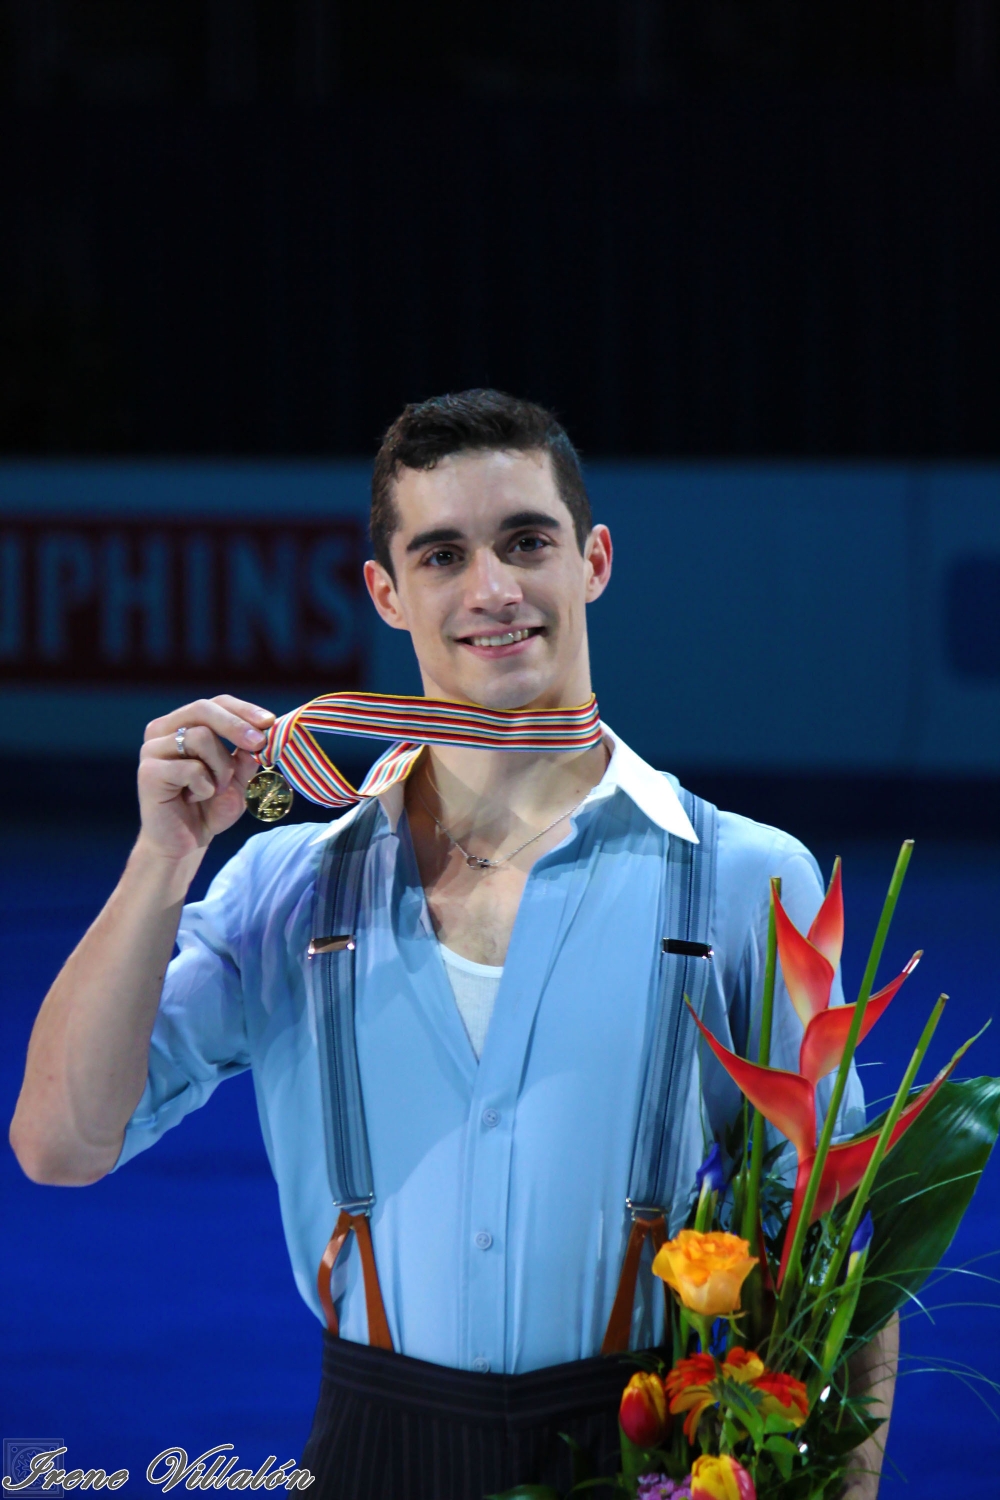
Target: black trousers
x,y
388,1427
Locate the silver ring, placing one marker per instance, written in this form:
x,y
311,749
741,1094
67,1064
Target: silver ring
x,y
179,741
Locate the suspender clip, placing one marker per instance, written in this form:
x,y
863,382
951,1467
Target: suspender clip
x,y
643,1211
687,949
336,944
359,1206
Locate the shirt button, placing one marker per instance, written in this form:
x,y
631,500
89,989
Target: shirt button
x,y
491,1117
481,1366
484,1240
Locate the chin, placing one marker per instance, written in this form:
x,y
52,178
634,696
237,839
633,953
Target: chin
x,y
518,690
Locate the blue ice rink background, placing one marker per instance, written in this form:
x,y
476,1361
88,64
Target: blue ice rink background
x,y
157,1307
773,620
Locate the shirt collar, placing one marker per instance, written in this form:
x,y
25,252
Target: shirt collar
x,y
652,792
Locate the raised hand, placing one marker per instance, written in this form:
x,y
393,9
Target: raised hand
x,y
191,784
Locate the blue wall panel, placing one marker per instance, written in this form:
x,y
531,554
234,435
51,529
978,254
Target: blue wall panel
x,y
760,617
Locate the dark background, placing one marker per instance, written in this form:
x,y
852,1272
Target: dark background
x,y
699,229
696,227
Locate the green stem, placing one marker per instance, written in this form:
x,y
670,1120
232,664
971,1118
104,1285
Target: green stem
x,y
705,1215
703,1328
885,1136
840,1324
840,1084
752,1209
846,1233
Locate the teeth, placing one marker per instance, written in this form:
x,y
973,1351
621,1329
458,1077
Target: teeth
x,y
499,640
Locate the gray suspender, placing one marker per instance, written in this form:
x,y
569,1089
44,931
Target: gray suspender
x,y
658,1156
659,1166
331,990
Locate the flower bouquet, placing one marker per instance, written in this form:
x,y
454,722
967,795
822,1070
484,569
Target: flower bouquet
x,y
777,1286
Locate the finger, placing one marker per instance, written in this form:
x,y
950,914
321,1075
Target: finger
x,y
243,728
244,766
252,712
199,744
163,780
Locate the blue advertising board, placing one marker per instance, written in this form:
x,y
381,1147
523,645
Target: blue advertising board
x,y
760,617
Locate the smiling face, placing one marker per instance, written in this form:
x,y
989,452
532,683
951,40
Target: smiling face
x,y
490,581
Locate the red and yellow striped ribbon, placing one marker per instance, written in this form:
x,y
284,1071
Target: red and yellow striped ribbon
x,y
414,723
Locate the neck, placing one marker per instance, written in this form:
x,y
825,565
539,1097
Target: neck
x,y
492,793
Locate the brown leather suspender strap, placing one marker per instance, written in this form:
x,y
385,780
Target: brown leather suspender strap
x,y
378,1324
616,1339
331,987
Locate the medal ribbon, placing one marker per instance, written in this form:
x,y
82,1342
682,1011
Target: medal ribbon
x,y
416,722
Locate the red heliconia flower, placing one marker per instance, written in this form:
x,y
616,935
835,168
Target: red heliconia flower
x,y
788,1100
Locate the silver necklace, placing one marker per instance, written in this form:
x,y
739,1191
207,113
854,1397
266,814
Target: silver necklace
x,y
474,861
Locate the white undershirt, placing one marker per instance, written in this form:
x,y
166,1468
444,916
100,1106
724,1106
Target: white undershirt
x,y
475,989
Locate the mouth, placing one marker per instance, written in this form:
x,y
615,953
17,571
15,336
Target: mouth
x,y
501,642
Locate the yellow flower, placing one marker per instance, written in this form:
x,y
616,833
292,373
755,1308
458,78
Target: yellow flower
x,y
720,1478
743,1366
705,1270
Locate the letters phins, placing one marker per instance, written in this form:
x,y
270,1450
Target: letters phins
x,y
198,1475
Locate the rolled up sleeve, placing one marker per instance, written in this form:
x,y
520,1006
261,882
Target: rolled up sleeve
x,y
199,1036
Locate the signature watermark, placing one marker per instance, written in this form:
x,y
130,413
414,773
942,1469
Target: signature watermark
x,y
30,1468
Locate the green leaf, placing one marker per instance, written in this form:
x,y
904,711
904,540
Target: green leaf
x,y
920,1194
847,1432
635,1460
731,1434
784,1454
774,1422
528,1492
618,1485
779,1444
583,1469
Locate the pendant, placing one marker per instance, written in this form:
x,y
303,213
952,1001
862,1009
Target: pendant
x,y
268,796
475,863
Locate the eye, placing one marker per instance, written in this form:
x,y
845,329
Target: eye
x,y
530,543
441,557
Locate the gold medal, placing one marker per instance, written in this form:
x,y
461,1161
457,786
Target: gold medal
x,y
268,795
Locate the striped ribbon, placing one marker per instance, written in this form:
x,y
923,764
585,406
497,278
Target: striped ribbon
x,y
414,722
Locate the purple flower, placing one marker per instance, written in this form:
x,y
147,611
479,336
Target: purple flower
x,y
863,1235
662,1487
710,1174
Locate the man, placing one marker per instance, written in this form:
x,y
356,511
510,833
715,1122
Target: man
x,y
506,975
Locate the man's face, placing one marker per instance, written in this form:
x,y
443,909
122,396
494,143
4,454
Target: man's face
x,y
490,582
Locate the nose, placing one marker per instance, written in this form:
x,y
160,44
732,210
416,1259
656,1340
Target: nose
x,y
490,584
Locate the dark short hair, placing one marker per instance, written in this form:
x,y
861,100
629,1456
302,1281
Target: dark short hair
x,y
471,421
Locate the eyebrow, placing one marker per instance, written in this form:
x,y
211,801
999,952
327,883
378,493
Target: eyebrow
x,y
439,534
509,523
529,518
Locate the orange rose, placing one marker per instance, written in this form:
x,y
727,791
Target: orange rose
x,y
706,1270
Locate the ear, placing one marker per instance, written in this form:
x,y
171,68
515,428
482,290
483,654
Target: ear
x,y
597,558
383,595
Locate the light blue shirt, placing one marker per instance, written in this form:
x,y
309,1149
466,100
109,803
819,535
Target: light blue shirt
x,y
500,1221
